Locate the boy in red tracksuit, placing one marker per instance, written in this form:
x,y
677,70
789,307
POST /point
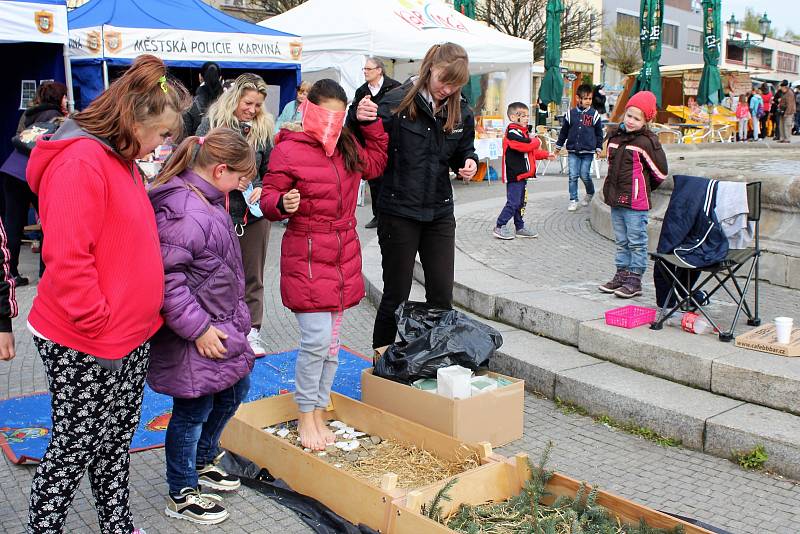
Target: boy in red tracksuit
x,y
520,152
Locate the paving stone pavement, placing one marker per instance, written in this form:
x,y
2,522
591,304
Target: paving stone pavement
x,y
670,479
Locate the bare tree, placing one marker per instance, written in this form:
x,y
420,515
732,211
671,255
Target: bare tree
x,y
620,45
275,7
526,19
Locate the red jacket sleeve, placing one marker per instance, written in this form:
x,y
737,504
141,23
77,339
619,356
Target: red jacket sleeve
x,y
373,155
530,147
75,191
278,181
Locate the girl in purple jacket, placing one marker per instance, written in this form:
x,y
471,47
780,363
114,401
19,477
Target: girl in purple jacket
x,y
201,356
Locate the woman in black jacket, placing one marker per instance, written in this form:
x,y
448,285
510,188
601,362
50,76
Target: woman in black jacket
x,y
49,105
431,131
208,92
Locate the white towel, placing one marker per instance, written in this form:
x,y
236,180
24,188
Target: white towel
x,y
731,210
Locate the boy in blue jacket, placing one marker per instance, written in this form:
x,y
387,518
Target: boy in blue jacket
x,y
520,153
582,130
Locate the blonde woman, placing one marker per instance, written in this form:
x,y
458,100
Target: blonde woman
x,y
241,108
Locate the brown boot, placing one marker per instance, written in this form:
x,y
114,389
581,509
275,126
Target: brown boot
x,y
615,283
631,287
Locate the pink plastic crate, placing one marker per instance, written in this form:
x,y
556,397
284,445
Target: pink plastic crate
x,y
630,316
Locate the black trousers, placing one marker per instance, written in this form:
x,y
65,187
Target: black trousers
x,y
400,240
375,194
18,198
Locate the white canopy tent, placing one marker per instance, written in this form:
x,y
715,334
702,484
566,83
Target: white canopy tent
x,y
339,36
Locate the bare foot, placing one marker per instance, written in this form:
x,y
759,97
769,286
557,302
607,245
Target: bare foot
x,y
322,427
309,436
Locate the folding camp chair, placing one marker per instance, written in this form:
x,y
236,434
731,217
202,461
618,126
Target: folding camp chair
x,y
723,274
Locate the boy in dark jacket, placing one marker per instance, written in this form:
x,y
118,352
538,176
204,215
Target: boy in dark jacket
x,y
582,131
520,153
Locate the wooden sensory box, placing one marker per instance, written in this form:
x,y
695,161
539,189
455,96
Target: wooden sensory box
x,y
502,480
352,498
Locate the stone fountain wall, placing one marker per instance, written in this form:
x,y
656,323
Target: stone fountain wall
x,y
776,166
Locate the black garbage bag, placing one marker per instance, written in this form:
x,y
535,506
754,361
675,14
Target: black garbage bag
x,y
432,338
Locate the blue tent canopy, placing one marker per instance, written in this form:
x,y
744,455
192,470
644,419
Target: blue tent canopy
x,y
184,33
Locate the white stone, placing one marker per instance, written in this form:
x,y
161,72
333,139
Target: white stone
x,y
337,424
283,432
270,430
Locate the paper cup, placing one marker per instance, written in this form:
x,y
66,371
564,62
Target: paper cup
x,y
783,328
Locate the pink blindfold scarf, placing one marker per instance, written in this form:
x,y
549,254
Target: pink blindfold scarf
x,y
323,125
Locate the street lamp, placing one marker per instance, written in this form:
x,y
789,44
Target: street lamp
x,y
746,43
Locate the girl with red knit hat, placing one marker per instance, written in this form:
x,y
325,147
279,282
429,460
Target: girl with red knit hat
x,y
636,165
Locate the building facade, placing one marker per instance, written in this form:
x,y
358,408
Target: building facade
x,y
682,37
771,60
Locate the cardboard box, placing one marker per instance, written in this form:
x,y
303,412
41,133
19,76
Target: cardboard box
x,y
354,499
495,416
764,339
503,480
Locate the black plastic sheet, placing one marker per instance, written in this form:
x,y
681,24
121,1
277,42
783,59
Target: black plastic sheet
x,y
312,512
432,338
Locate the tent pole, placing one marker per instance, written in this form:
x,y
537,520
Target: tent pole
x,y
68,78
105,75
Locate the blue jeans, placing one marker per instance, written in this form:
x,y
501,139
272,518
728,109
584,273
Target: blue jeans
x,y
580,166
630,235
194,430
516,198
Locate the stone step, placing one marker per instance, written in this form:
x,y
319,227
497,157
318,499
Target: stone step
x,y
702,420
699,361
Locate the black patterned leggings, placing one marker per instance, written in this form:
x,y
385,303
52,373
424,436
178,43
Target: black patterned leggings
x,y
95,413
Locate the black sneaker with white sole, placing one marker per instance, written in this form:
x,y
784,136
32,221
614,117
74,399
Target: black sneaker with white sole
x,y
192,506
213,476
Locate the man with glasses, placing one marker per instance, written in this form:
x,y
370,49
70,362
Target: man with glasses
x,y
376,85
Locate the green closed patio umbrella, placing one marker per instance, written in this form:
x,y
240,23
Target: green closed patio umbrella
x,y
710,89
651,24
553,84
465,7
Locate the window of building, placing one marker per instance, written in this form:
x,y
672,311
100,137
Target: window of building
x,y
670,36
766,57
694,41
787,62
624,18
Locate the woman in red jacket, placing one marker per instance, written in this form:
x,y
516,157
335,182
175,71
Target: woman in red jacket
x,y
313,178
99,300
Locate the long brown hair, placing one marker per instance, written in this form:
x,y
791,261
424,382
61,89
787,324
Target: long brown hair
x,y
220,145
453,61
139,95
327,89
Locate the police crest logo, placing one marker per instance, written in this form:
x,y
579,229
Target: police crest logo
x,y
44,21
93,42
113,41
295,49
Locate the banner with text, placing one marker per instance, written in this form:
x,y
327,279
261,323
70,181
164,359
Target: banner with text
x,y
109,42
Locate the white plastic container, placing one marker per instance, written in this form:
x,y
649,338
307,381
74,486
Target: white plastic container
x,y
454,382
783,329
